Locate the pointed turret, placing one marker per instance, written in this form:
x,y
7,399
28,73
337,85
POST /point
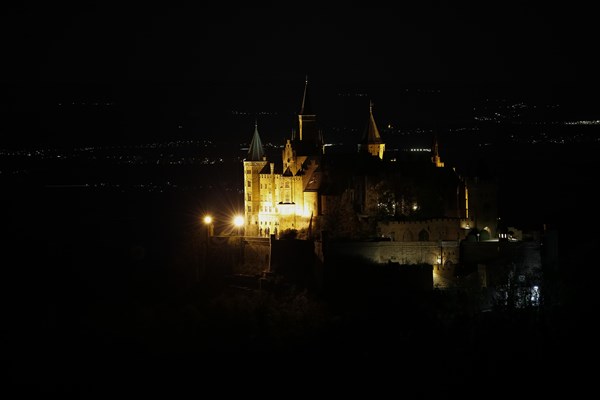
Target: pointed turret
x,y
372,135
371,141
435,157
308,131
255,151
254,164
305,108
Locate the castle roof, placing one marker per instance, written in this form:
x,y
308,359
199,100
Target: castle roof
x,y
314,182
287,172
371,134
305,108
435,146
255,150
266,169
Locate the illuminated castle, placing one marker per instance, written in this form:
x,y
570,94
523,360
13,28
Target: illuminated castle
x,y
365,193
284,196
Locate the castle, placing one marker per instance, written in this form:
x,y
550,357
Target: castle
x,y
365,194
382,206
284,196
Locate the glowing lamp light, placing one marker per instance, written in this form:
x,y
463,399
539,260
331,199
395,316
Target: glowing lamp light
x,y
238,221
207,219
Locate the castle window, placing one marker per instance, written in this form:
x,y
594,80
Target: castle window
x,y
249,197
248,171
423,236
249,209
249,183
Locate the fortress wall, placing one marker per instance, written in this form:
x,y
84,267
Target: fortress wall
x,y
437,229
399,252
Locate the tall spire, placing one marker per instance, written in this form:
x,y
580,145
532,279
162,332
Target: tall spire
x,y
308,130
371,135
435,157
305,108
435,149
371,141
255,150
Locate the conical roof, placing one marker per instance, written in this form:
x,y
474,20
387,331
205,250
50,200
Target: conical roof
x,y
255,151
305,108
371,134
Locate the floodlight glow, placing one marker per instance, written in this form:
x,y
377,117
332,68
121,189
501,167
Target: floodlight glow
x,y
238,221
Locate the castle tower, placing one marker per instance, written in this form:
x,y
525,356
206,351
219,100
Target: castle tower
x,y
308,130
435,158
371,141
253,164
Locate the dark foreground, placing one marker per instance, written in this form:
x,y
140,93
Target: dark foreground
x,y
100,298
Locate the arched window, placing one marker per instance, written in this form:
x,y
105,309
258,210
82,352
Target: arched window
x,y
423,236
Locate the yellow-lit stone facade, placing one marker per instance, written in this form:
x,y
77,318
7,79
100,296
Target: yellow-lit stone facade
x,y
275,202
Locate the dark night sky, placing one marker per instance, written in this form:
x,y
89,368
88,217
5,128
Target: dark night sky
x,y
426,43
171,64
240,54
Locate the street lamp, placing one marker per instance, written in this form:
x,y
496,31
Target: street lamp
x,y
208,223
238,221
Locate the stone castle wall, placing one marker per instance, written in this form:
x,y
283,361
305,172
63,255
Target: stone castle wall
x,y
399,252
427,230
